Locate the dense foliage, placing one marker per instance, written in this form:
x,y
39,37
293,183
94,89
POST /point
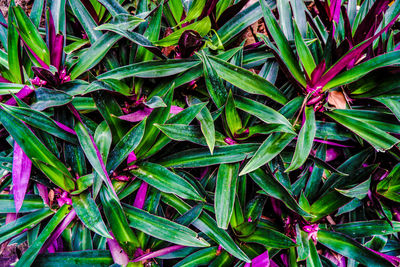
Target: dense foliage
x,y
147,133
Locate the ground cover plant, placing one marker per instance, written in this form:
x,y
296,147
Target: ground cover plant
x,y
201,133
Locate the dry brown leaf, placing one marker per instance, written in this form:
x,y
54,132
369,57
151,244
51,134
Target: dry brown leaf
x,y
337,99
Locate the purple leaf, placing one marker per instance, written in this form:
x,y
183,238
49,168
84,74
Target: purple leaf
x,y
131,158
137,115
60,228
46,75
189,42
23,93
231,11
65,128
158,253
261,260
208,8
317,72
4,80
21,172
335,10
175,110
56,51
43,192
373,17
118,254
141,196
350,56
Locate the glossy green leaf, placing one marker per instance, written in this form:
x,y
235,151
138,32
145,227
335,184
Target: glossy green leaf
x,y
31,203
225,191
305,55
165,180
304,141
269,238
282,43
36,151
214,84
271,147
207,127
263,112
40,121
199,258
101,258
202,27
94,54
275,189
162,228
232,116
362,69
28,221
208,226
246,80
30,35
30,254
200,157
379,139
367,228
89,214
118,222
351,249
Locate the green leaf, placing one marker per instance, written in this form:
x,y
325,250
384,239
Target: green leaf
x,y
13,45
114,7
225,191
189,133
305,55
103,139
166,181
200,157
125,146
392,104
367,228
41,121
304,141
89,213
94,54
208,226
246,80
202,27
379,139
47,98
36,151
362,69
199,258
30,35
271,147
327,204
359,191
313,260
275,189
80,258
118,222
263,112
91,151
351,249
207,127
30,254
282,43
232,116
28,221
150,69
162,228
31,203
214,85
269,238
86,20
